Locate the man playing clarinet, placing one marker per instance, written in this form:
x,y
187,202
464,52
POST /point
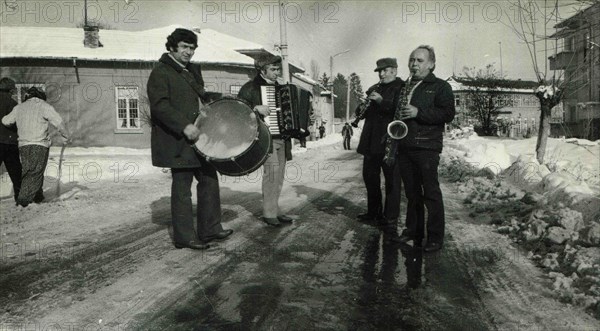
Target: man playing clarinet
x,y
382,99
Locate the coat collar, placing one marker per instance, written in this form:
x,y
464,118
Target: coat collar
x,y
430,78
258,80
166,59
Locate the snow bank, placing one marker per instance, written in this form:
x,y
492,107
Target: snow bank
x,y
551,209
570,173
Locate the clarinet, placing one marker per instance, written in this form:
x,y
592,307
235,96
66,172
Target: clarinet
x,y
363,111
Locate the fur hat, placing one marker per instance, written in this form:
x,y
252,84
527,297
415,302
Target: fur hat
x,y
266,59
180,34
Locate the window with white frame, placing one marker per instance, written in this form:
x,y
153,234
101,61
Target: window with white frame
x,y
128,112
234,89
22,89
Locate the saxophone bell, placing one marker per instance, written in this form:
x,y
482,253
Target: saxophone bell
x,y
397,129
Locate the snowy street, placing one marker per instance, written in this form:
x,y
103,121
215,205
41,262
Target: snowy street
x,y
100,256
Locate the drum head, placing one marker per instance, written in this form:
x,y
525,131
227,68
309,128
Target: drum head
x,y
227,129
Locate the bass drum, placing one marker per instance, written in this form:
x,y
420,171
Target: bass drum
x,y
232,138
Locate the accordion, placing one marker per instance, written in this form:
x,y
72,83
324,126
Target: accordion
x,y
290,108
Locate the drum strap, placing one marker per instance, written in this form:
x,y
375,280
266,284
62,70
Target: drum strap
x,y
190,79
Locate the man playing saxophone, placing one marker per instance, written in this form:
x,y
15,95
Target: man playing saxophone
x,y
383,98
428,106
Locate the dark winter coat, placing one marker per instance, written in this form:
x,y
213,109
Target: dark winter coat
x,y
173,105
435,101
250,92
8,134
378,116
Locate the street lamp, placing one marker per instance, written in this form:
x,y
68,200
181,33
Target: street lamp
x,y
331,77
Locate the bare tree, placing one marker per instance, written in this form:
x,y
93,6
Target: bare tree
x,y
485,97
533,26
356,91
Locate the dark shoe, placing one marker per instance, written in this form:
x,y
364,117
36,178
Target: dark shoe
x,y
271,221
39,197
194,244
404,240
368,217
388,222
432,247
284,219
218,236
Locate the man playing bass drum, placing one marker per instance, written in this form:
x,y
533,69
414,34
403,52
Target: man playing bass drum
x,y
383,97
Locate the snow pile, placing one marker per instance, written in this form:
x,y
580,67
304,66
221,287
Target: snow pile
x,y
551,209
458,133
547,91
571,173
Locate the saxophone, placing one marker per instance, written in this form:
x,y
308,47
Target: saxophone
x,y
397,129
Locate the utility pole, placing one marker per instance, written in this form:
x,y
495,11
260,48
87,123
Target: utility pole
x,y
348,100
332,116
501,71
283,46
332,79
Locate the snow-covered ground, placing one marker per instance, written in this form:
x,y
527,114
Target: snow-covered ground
x,y
118,164
551,209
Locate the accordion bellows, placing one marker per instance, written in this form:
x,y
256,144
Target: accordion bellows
x,y
290,110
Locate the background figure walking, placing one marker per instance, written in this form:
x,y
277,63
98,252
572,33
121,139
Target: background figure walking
x,y
9,148
347,134
32,118
321,131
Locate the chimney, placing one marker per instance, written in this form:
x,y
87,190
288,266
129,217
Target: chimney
x,y
91,37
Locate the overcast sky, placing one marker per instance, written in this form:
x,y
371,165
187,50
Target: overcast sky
x,y
463,33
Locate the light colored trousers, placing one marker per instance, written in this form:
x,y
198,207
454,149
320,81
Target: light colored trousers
x,y
272,181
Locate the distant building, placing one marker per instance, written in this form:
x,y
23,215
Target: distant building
x,y
320,104
97,80
521,104
578,57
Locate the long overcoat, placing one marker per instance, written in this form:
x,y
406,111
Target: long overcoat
x,y
173,105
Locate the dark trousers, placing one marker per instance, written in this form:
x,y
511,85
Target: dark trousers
x,y
208,209
9,155
372,166
347,142
422,188
34,159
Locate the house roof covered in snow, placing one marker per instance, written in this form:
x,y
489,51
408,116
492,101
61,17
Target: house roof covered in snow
x,y
119,45
460,84
308,80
